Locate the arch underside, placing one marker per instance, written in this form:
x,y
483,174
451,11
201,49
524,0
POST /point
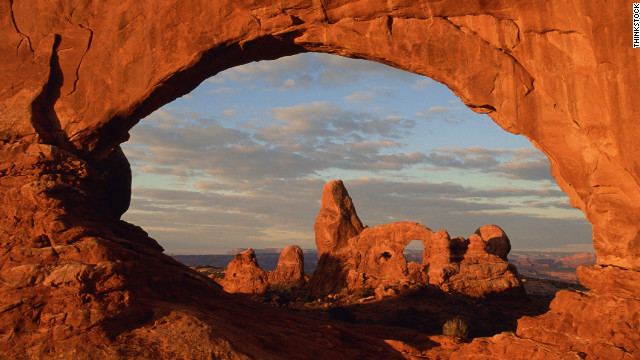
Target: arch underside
x,y
79,76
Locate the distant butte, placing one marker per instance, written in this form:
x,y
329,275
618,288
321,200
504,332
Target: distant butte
x,y
77,282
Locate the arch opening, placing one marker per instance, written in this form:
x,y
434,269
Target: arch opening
x,y
361,122
413,252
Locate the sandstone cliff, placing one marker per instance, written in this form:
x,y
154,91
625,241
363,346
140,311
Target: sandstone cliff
x,y
77,75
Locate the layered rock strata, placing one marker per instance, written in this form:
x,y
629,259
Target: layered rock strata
x,y
373,257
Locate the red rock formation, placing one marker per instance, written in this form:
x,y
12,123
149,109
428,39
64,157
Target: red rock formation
x,y
481,268
76,77
290,271
374,258
244,275
337,221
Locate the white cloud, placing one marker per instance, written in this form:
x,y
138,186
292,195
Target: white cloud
x,y
437,110
216,80
300,141
360,97
223,90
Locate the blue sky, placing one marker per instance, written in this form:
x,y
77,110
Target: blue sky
x,y
241,160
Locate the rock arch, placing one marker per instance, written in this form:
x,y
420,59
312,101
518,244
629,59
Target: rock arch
x,y
77,75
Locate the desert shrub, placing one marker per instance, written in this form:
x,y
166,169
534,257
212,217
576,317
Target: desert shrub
x,y
362,293
456,327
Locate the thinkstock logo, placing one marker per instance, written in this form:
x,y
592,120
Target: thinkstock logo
x,y
636,25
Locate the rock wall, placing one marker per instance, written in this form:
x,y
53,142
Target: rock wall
x,y
77,75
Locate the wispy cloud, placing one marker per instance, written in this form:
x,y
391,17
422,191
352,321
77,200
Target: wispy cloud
x,y
248,217
304,71
526,170
300,141
360,97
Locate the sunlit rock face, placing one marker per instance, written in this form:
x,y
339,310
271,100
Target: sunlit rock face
x,y
77,75
244,275
373,257
289,274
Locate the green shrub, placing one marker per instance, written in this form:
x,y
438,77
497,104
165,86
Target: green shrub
x,y
456,327
362,293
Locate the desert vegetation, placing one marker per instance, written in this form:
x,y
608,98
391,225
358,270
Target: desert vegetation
x,y
456,327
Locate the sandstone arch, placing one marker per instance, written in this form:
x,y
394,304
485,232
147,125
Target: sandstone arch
x,y
77,75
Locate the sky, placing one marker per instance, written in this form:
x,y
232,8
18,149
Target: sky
x,y
241,160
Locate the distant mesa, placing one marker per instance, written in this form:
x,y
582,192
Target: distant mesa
x,y
260,251
550,265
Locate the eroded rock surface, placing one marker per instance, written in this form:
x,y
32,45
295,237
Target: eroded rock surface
x,y
289,274
373,257
244,275
79,74
337,221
